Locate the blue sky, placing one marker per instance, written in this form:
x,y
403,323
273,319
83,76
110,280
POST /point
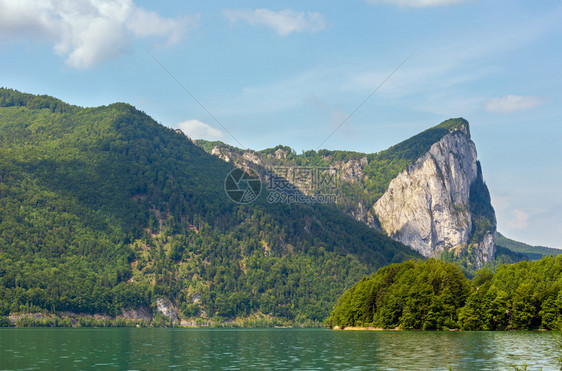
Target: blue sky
x,y
290,72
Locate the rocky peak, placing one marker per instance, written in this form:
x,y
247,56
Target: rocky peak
x,y
427,206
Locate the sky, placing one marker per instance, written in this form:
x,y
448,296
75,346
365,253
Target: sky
x,y
357,75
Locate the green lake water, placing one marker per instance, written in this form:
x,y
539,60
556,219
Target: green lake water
x,y
273,349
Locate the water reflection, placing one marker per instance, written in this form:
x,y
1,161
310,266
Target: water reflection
x,y
273,349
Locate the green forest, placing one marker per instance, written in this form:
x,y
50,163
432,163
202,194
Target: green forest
x,y
435,295
103,209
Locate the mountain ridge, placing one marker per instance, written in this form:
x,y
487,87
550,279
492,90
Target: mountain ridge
x,y
365,188
532,252
105,211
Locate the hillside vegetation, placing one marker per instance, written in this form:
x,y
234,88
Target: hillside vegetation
x,y
103,209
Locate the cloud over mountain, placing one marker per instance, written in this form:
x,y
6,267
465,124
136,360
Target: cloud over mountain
x,y
200,130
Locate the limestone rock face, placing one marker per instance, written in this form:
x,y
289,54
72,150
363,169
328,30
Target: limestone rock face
x,y
486,250
351,170
280,154
165,307
427,206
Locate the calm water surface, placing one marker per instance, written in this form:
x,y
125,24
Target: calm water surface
x,y
279,349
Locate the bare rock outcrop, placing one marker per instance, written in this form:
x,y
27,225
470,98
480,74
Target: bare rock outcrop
x,y
427,206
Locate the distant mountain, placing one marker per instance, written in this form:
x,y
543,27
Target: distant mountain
x,y
104,211
427,192
531,252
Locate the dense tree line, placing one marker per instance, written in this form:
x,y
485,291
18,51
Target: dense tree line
x,y
434,295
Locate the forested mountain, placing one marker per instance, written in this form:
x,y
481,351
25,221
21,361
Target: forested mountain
x,y
103,209
435,295
531,252
427,192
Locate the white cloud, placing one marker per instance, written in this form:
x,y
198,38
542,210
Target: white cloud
x,y
512,103
417,3
199,130
87,32
283,22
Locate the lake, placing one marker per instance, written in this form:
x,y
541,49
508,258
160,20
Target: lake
x,y
262,349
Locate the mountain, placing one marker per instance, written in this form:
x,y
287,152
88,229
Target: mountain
x,y
426,192
531,252
104,211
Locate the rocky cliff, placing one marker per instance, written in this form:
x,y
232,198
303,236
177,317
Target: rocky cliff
x,y
428,205
426,192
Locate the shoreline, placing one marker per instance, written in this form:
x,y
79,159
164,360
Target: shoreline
x,y
131,319
371,328
361,328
